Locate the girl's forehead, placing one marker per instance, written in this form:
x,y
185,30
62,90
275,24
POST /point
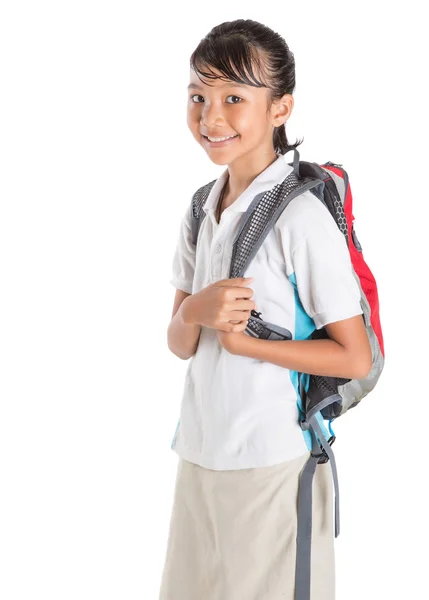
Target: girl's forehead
x,y
216,78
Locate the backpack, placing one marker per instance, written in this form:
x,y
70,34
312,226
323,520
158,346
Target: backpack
x,y
320,397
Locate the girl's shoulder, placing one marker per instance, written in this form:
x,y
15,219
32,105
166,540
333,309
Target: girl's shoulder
x,y
304,211
307,218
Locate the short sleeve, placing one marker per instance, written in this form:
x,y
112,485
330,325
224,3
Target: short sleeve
x,y
183,265
326,283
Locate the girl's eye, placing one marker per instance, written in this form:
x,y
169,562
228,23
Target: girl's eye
x,y
238,98
232,96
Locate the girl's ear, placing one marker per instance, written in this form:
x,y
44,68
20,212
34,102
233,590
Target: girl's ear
x,y
281,109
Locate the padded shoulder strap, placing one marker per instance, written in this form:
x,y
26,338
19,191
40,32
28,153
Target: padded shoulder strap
x,y
198,199
196,208
261,215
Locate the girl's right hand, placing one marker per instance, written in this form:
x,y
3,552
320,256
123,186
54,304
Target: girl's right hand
x,y
223,305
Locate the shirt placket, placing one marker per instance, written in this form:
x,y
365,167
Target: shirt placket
x,y
220,253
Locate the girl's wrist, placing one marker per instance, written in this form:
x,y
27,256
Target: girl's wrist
x,y
244,345
187,311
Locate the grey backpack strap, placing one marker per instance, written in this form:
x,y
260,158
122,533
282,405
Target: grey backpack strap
x,y
305,496
262,213
255,225
305,508
196,208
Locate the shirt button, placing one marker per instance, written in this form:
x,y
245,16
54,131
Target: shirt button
x,y
218,248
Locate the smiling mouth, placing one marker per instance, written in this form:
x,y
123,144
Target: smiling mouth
x,y
228,139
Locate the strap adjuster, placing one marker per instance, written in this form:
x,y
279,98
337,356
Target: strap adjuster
x,y
323,456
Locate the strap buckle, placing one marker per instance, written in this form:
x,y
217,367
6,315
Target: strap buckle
x,y
323,456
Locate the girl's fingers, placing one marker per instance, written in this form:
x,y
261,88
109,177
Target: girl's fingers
x,y
238,315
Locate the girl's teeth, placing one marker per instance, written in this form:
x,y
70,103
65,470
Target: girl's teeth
x,y
220,139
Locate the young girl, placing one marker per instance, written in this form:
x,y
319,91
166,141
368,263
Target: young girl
x,y
240,445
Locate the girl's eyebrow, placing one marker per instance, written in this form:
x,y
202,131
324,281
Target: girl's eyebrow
x,y
199,87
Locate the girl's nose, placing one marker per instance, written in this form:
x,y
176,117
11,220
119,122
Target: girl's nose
x,y
212,117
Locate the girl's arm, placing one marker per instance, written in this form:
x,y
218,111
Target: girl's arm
x,y
347,354
183,334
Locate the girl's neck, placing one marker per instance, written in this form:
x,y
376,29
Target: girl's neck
x,y
242,172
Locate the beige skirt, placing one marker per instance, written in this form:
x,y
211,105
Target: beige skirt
x,y
233,534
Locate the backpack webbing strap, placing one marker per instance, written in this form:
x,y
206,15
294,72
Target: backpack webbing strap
x,y
303,539
305,501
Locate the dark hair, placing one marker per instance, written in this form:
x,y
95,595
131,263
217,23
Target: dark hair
x,y
234,47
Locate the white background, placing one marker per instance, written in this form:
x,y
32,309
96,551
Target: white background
x,y
97,168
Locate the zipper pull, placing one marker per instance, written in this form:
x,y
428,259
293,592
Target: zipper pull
x,y
329,163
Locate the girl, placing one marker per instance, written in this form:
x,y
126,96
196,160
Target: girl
x,y
241,448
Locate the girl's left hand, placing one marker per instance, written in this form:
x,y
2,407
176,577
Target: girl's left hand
x,y
232,341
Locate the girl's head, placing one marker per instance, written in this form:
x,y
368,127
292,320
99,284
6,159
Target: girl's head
x,y
241,82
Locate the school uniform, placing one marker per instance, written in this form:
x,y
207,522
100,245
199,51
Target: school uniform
x,y
240,446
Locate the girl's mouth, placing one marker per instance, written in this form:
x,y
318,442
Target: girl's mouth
x,y
219,144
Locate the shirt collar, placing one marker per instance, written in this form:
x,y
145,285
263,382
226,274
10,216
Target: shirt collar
x,y
271,176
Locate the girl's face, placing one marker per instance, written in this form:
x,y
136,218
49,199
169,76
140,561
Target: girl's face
x,y
225,108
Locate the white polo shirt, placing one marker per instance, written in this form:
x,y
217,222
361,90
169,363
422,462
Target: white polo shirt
x,y
239,412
